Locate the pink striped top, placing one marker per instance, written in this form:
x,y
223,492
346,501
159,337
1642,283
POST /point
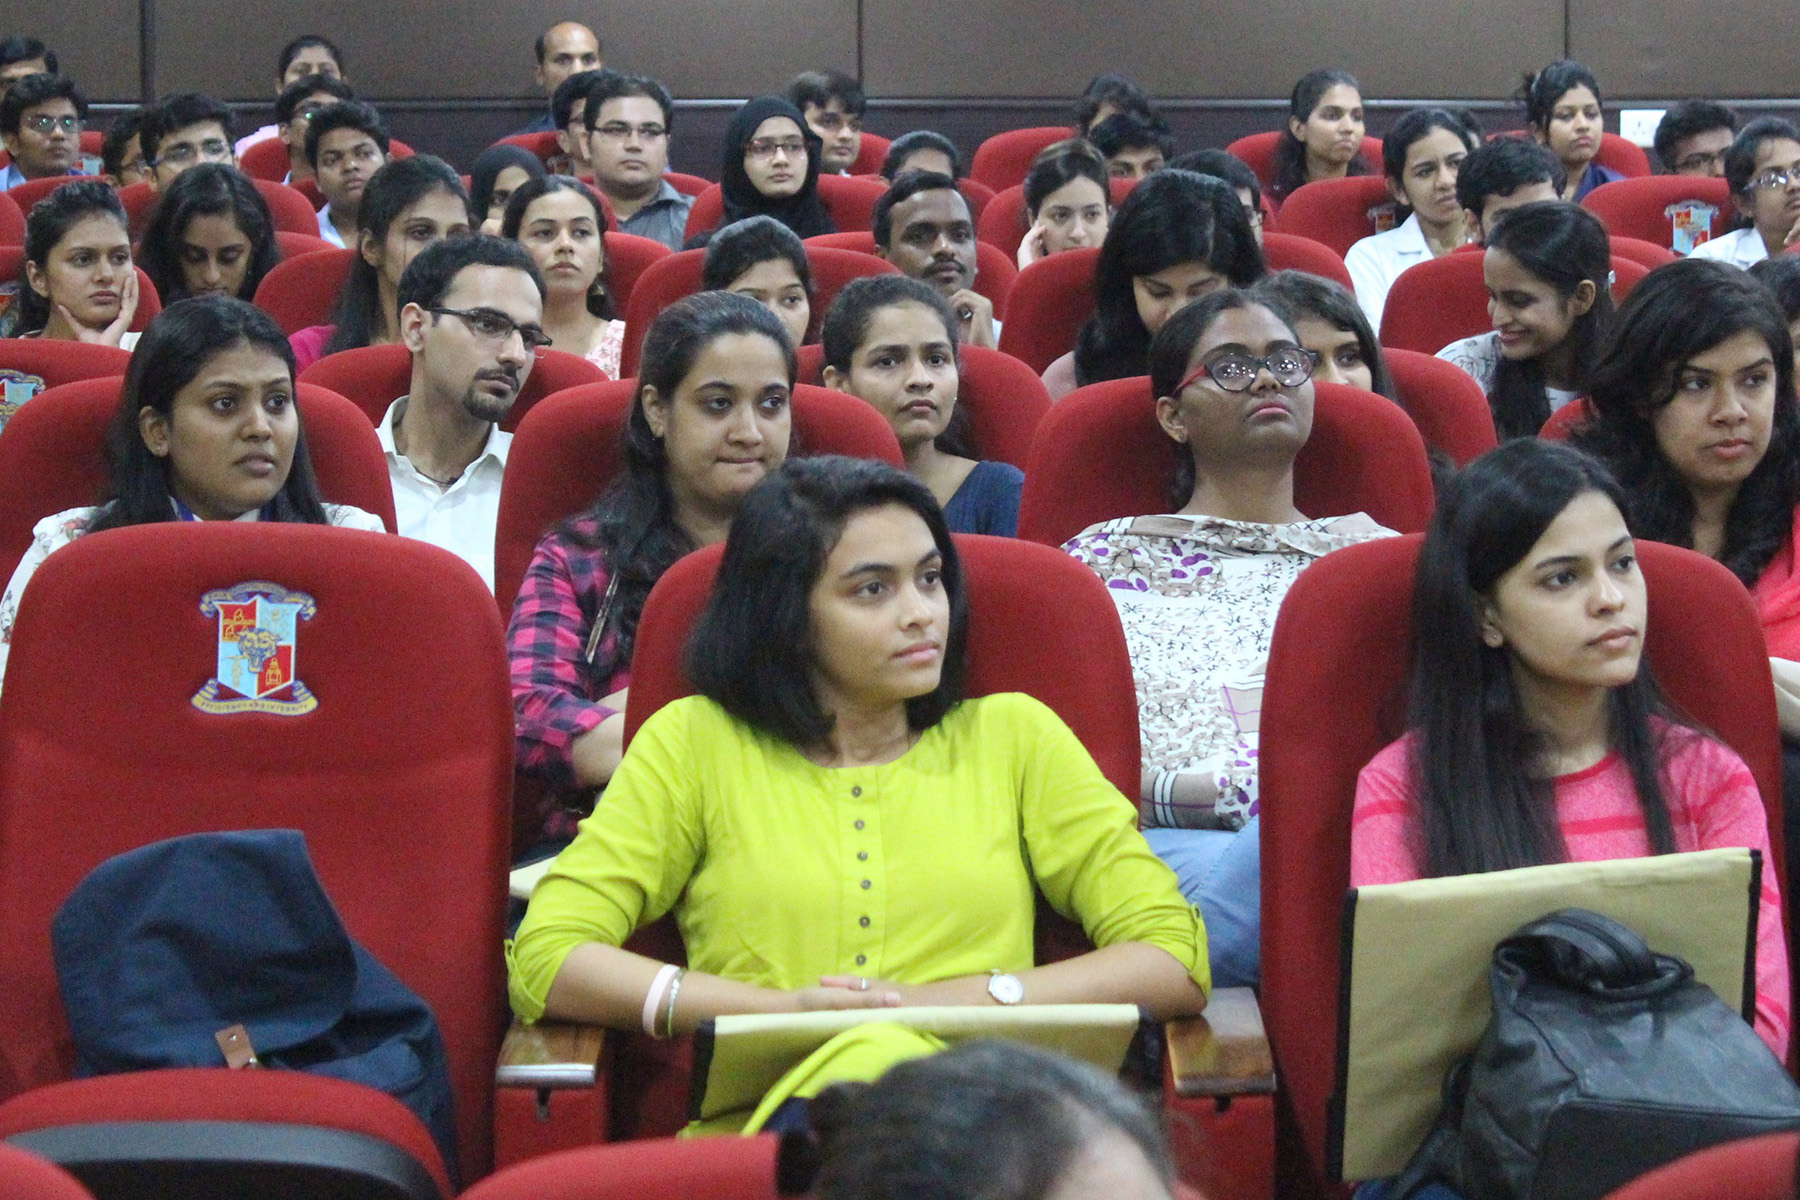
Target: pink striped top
x,y
1712,800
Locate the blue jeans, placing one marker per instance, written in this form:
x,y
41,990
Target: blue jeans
x,y
1220,872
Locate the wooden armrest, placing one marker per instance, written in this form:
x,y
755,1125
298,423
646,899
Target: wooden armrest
x,y
1223,1051
550,1054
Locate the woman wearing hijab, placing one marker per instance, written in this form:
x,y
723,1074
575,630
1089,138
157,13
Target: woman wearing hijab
x,y
771,168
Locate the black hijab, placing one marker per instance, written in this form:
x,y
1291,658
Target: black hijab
x,y
802,212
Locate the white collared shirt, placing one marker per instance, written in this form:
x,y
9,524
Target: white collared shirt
x,y
1740,248
1377,260
328,231
460,518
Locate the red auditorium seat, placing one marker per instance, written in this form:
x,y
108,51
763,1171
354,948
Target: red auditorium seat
x,y
138,1134
301,292
568,451
1005,158
1100,454
1291,252
310,190
293,245
1446,404
995,271
12,266
267,159
373,377
669,279
53,363
399,777
1339,656
53,457
1336,212
12,221
1648,208
1758,1168
1566,420
849,200
1005,399
25,1176
712,1168
1647,255
1622,155
543,144
1050,301
1257,151
32,190
978,194
628,257
289,207
687,185
871,154
1442,300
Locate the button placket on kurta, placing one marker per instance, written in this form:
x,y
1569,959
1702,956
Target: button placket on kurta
x,y
865,879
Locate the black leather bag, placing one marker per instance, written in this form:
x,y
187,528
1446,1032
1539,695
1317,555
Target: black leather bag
x,y
1603,1060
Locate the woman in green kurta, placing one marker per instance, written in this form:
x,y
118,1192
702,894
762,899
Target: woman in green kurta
x,y
832,826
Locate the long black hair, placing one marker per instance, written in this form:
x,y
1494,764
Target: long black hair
x,y
1418,123
1675,313
399,184
1290,152
174,350
208,190
1563,245
633,524
1541,90
50,221
600,292
752,650
1481,806
488,167
1171,218
846,326
802,212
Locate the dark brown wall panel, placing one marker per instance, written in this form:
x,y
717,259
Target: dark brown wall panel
x,y
1204,47
96,41
1741,48
462,49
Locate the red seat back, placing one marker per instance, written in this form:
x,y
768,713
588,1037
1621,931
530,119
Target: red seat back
x,y
1758,1168
32,190
267,159
1291,252
1623,155
12,221
1647,255
1100,454
25,1176
1647,208
139,200
1336,212
1002,223
669,279
687,185
994,270
53,457
851,201
707,212
373,377
401,791
627,257
303,291
570,449
1004,398
293,245
291,210
871,154
1566,420
1050,301
1442,300
12,267
54,363
978,194
1341,648
1257,151
542,144
1005,158
652,1169
1446,404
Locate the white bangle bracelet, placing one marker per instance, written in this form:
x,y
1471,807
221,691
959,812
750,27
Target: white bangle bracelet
x,y
653,998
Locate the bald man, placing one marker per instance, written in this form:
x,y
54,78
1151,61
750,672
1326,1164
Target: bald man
x,y
562,50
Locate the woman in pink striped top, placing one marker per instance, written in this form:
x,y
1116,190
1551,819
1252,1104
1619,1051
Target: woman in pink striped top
x,y
1535,736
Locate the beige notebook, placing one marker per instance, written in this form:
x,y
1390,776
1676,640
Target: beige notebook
x,y
1414,992
738,1059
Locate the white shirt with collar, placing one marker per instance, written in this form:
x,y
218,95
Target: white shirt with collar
x,y
1376,261
328,231
1740,248
460,518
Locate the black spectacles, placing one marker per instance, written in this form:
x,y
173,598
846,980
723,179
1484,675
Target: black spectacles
x,y
1290,366
497,326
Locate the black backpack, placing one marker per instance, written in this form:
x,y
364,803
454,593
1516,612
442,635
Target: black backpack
x,y
1602,1061
160,949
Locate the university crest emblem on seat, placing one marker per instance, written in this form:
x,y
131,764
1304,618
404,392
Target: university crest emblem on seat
x,y
259,624
1690,224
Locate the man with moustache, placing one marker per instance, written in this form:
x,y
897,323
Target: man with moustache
x,y
924,226
471,313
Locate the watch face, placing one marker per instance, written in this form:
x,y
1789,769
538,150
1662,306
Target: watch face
x,y
1006,989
